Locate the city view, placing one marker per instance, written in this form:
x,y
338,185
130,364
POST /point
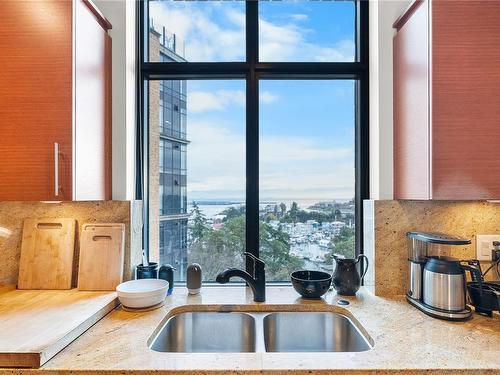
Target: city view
x,y
293,235
197,156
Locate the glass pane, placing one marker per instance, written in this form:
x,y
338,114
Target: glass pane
x,y
301,30
197,175
196,30
307,131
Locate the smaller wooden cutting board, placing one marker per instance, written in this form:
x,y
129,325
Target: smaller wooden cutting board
x,y
47,252
101,256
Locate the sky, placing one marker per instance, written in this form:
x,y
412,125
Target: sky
x,y
306,127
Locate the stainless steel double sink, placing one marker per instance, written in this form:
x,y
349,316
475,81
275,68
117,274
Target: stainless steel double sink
x,y
250,331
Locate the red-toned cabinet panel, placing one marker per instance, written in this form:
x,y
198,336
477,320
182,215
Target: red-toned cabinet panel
x,y
35,100
458,113
55,101
466,100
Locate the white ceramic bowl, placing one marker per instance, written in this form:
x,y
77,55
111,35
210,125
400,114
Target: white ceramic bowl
x,y
142,293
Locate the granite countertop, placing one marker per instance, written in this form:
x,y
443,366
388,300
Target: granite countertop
x,y
404,338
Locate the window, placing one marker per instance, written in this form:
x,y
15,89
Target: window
x,y
254,132
306,174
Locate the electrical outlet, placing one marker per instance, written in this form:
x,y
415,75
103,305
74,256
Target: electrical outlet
x,y
484,245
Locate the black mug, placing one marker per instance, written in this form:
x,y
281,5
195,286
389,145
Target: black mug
x,y
346,279
147,272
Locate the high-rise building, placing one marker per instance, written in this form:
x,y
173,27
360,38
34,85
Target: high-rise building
x,y
168,146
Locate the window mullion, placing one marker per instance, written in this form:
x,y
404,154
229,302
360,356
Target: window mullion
x,y
252,133
252,32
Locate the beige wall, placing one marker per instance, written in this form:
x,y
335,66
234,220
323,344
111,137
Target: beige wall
x,y
12,215
386,225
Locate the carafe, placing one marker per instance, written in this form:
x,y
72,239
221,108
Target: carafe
x,y
346,278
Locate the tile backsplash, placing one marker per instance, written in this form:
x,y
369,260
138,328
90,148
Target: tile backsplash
x,y
12,215
386,224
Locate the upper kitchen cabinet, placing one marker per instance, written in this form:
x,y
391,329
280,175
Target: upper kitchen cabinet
x,y
55,107
447,101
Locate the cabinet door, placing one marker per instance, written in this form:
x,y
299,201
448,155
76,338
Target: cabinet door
x,y
466,100
92,172
411,107
35,100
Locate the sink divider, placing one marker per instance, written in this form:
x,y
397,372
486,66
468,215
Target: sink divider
x,y
260,344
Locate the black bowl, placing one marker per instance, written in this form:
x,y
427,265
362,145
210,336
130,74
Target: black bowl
x,y
311,284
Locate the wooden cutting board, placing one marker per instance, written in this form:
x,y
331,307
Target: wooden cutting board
x,y
101,256
47,252
37,324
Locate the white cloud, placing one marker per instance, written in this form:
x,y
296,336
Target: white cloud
x,y
295,167
215,161
299,17
342,51
236,17
290,167
204,39
288,42
203,101
207,40
268,97
284,149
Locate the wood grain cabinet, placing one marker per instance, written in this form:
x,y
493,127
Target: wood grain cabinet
x,y
447,101
55,101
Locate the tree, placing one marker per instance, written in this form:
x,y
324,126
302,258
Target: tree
x,y
199,226
344,244
294,210
220,249
232,212
270,217
337,214
275,252
345,233
216,250
346,247
302,216
283,209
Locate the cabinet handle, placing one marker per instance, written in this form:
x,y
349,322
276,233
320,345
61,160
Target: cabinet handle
x,y
56,169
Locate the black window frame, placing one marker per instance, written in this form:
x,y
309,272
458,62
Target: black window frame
x,y
252,70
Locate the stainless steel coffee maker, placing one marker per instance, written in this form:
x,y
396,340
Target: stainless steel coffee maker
x,y
436,280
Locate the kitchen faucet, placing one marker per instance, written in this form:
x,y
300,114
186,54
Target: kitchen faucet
x,y
257,281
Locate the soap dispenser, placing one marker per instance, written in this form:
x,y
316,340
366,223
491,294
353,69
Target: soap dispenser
x,y
194,278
